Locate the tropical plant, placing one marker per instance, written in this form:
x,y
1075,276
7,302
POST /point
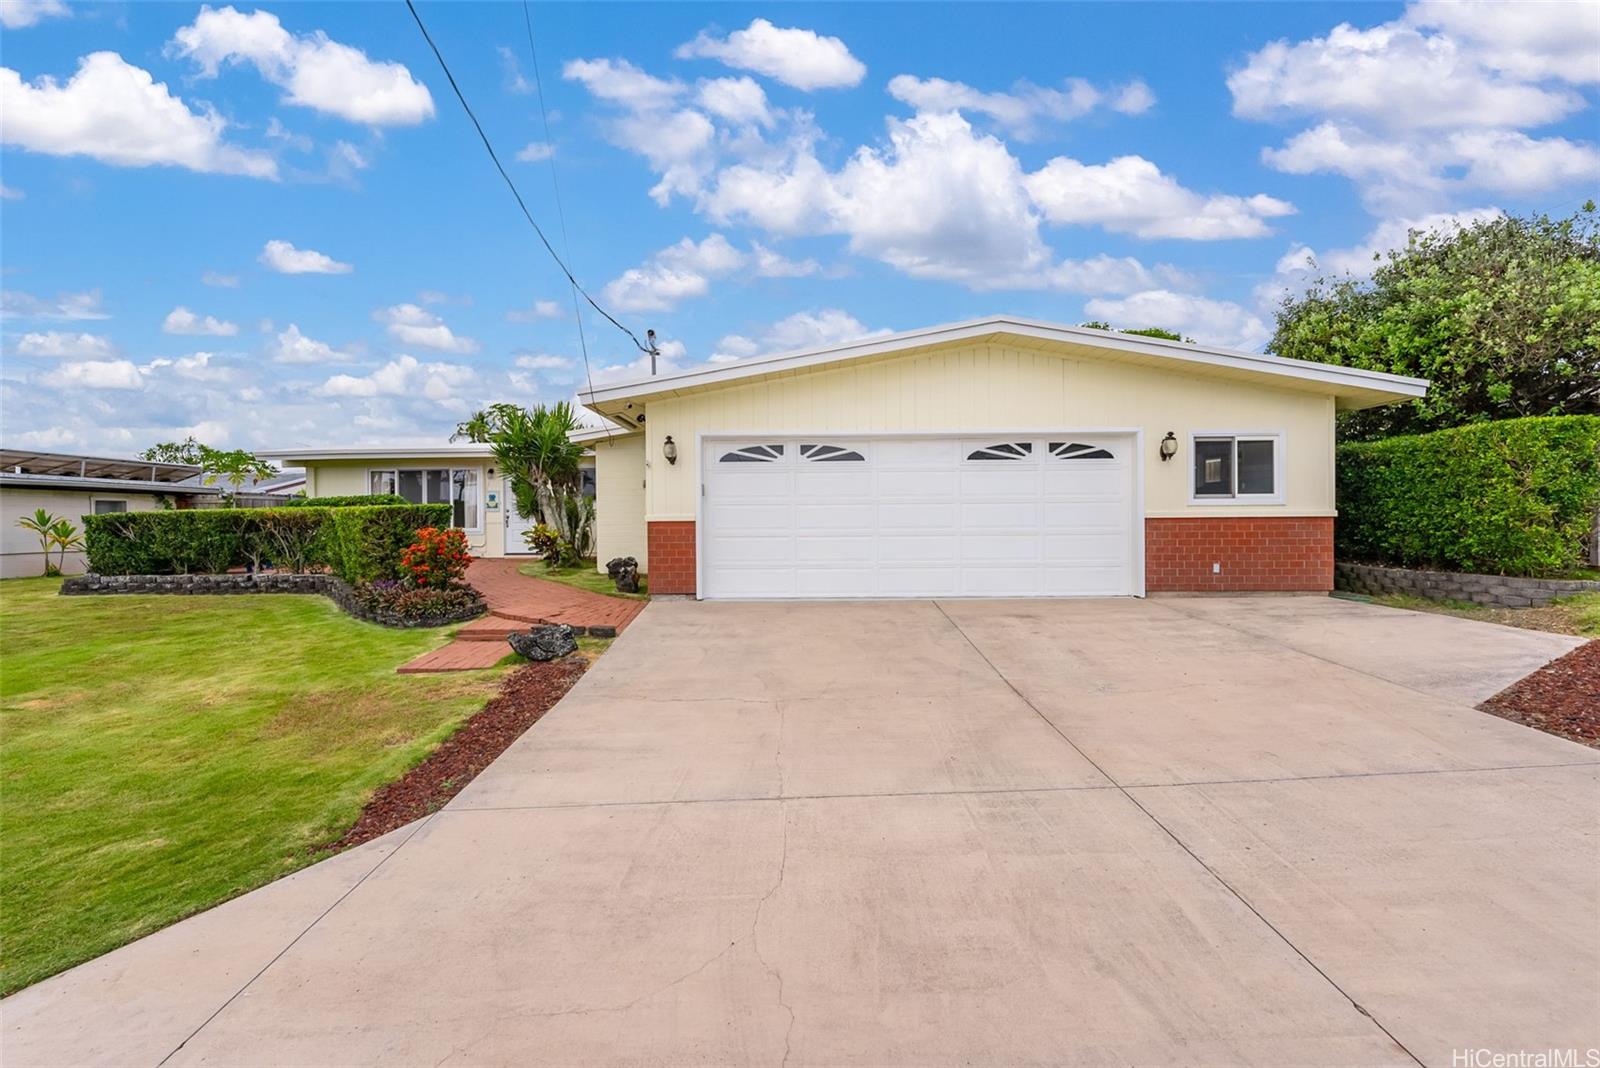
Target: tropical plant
x,y
1503,316
41,523
438,558
66,538
233,466
543,542
536,451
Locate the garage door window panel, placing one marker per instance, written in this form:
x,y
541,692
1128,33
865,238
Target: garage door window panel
x,y
753,454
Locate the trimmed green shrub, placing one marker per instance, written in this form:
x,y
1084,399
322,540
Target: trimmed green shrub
x,y
356,543
366,543
1514,497
352,500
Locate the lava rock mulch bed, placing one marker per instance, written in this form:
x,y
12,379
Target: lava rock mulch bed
x,y
525,695
1561,698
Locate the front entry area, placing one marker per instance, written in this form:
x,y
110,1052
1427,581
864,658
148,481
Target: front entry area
x,y
1010,514
516,525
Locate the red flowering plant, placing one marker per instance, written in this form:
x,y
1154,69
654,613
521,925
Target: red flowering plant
x,y
437,559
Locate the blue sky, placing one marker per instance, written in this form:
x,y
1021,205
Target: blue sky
x,y
273,226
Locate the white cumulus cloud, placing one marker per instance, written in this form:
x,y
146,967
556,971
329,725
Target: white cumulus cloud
x,y
315,71
95,374
117,113
412,324
15,304
292,346
1210,322
1130,194
404,376
686,269
540,309
1026,107
802,330
284,258
59,344
181,320
800,58
20,14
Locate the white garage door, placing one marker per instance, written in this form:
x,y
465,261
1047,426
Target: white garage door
x,y
1007,516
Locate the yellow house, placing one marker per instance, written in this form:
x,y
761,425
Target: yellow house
x,y
998,457
464,476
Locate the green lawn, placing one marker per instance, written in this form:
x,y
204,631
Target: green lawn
x,y
163,754
585,578
1578,614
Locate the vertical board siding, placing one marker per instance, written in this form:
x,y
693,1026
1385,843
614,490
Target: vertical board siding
x,y
997,386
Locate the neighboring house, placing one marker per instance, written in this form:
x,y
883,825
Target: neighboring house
x,y
74,486
464,476
999,458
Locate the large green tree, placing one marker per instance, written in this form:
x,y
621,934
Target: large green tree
x,y
1503,316
233,466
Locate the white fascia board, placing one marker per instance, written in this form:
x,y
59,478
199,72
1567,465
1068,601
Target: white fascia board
x,y
1338,377
381,452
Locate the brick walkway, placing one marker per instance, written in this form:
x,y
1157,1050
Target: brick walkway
x,y
516,602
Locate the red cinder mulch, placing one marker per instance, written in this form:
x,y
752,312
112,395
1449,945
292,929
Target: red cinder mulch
x,y
525,695
1561,698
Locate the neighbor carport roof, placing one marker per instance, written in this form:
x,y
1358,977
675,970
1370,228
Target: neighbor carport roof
x,y
1352,387
32,462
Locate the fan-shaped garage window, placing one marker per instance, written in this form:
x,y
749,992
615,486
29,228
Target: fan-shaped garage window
x,y
1005,450
1076,450
754,454
829,454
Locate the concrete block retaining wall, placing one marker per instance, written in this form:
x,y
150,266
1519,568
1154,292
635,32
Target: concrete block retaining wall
x,y
1502,591
330,586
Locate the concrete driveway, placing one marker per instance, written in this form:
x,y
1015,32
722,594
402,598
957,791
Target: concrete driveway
x,y
1248,830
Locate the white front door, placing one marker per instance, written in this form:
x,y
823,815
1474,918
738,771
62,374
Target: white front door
x,y
516,526
1013,515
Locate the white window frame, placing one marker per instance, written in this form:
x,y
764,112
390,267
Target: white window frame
x,y
1237,499
95,501
482,483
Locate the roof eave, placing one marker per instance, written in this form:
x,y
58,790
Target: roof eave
x,y
1359,386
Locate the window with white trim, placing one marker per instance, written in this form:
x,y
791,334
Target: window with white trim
x,y
1236,467
459,487
105,505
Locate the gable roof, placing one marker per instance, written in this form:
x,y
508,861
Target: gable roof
x,y
1351,386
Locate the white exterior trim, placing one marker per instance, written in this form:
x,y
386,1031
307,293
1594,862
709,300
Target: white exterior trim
x,y
1349,378
383,452
1280,452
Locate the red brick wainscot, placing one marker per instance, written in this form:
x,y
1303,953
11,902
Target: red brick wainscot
x,y
671,556
1277,553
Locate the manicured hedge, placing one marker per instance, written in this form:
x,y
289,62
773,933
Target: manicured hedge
x,y
1515,497
352,500
357,543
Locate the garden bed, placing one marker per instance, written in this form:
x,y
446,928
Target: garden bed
x,y
525,695
334,588
1561,698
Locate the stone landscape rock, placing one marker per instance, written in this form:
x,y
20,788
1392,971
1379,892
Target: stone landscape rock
x,y
624,571
551,641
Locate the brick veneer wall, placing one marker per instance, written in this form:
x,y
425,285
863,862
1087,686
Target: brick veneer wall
x,y
1280,553
672,556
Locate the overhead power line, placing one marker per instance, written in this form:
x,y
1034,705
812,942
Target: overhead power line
x,y
555,185
488,146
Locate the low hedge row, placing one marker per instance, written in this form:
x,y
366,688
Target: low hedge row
x,y
1514,497
358,544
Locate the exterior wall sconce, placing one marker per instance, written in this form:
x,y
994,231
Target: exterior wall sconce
x,y
669,449
1169,446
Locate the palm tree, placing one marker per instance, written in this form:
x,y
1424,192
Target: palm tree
x,y
42,523
65,537
536,451
476,428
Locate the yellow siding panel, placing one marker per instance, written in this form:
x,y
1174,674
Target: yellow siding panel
x,y
998,387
